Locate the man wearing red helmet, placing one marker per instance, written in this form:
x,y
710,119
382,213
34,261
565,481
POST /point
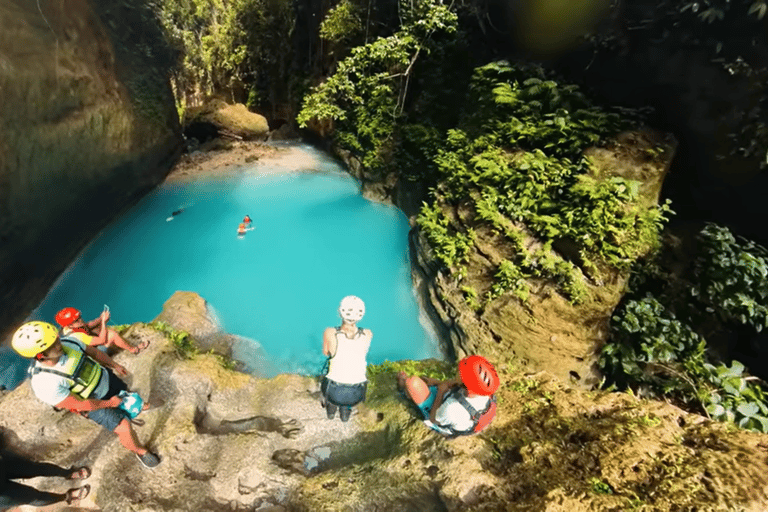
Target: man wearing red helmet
x,y
455,407
95,332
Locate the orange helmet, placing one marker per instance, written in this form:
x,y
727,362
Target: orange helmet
x,y
478,375
66,316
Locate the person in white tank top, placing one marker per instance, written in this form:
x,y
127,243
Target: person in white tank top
x,y
346,346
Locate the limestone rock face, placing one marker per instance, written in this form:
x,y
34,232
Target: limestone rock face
x,y
188,311
87,124
547,332
224,119
227,441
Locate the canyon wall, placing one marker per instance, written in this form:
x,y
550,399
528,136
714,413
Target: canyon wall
x,y
87,125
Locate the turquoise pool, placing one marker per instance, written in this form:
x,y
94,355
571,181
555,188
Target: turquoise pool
x,y
316,239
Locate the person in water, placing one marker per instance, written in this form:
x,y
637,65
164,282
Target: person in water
x,y
247,221
241,229
71,375
455,407
94,333
346,346
13,494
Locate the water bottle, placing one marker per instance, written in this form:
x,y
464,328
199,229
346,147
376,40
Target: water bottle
x,y
132,403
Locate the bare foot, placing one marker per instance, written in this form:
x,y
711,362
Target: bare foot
x,y
141,346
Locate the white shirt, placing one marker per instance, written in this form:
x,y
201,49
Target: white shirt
x,y
52,389
452,414
348,365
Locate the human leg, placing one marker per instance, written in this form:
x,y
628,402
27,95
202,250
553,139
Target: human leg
x,y
14,494
113,338
19,467
127,437
416,389
330,408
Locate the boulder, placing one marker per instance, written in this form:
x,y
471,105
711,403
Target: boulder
x,y
219,118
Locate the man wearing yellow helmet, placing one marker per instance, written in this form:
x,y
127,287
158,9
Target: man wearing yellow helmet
x,y
70,375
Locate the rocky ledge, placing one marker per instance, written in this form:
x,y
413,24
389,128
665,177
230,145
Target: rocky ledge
x,y
233,442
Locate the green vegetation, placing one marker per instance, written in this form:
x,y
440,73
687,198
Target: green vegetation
x,y
518,158
181,340
342,22
653,348
515,148
365,96
599,487
225,44
382,378
732,277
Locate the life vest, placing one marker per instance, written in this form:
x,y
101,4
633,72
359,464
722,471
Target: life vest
x,y
480,419
82,372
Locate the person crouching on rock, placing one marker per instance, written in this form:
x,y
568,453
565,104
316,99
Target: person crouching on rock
x,y
455,407
347,347
94,333
70,375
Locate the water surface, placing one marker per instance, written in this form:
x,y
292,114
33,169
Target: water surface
x,y
316,239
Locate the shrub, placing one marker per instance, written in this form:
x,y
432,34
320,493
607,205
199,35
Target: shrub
x,y
732,277
652,348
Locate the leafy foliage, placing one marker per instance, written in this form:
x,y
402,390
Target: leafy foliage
x,y
226,43
517,155
732,277
181,340
451,247
341,22
652,348
365,94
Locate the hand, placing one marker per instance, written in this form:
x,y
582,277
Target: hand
x,y
115,401
105,316
120,370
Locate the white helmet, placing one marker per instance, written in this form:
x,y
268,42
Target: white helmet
x,y
351,308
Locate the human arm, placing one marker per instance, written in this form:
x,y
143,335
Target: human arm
x,y
101,337
443,387
74,403
105,360
329,342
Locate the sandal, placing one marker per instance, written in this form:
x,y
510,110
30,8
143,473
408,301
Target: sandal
x,y
80,473
141,346
78,493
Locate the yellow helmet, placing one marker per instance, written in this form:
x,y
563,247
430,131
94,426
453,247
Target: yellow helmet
x,y
34,337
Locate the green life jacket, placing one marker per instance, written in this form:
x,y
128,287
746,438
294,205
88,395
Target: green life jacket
x,y
81,371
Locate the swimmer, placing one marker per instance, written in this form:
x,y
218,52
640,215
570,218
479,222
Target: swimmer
x,y
173,214
247,220
241,229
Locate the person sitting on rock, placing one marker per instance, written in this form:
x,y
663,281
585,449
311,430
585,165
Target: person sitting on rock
x,y
70,375
13,494
94,333
346,347
455,407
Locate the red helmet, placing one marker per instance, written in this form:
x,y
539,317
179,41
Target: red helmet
x,y
66,316
478,375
